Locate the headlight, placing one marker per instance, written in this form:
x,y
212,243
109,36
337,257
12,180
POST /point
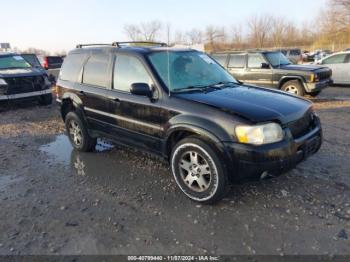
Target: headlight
x,y
313,77
2,82
259,134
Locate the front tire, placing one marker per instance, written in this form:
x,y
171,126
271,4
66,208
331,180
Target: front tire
x,y
198,171
294,87
78,134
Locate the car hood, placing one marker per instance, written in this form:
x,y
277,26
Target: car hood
x,y
301,67
253,103
18,72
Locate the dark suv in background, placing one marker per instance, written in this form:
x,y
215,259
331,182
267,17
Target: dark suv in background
x,y
183,106
272,69
19,80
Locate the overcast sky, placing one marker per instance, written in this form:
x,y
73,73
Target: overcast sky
x,y
57,25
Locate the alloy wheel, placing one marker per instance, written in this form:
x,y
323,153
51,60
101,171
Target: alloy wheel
x,y
75,133
195,171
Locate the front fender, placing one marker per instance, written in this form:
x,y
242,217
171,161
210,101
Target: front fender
x,y
287,78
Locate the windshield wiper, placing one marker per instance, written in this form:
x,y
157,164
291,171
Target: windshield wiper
x,y
190,88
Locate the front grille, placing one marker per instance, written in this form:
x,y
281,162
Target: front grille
x,y
303,125
18,85
323,75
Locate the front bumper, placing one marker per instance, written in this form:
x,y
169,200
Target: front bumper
x,y
317,86
25,95
248,161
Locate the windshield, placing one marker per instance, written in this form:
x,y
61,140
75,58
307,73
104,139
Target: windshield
x,y
277,59
16,61
188,69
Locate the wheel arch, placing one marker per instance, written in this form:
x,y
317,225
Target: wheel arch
x,y
286,79
70,102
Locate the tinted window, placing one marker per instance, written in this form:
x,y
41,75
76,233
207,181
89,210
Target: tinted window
x,y
31,59
336,59
72,67
221,59
255,60
96,70
127,71
295,52
54,60
237,61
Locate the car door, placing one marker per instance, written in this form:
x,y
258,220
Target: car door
x,y
96,79
337,64
237,66
134,119
255,73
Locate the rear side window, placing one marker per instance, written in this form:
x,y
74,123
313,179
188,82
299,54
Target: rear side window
x,y
255,60
127,71
72,67
336,59
237,61
221,59
96,70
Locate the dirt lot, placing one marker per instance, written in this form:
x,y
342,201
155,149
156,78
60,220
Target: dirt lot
x,y
54,200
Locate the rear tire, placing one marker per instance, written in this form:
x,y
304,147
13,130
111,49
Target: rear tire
x,y
78,134
294,87
198,171
45,100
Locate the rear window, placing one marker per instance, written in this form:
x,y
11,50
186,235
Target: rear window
x,y
54,60
295,52
72,67
96,70
237,61
220,58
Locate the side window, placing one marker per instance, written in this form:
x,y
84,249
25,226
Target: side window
x,y
127,71
255,60
336,59
96,70
221,59
237,61
72,67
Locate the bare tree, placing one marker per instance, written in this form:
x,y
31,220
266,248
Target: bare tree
x,y
260,27
278,29
180,37
147,31
212,34
237,36
195,36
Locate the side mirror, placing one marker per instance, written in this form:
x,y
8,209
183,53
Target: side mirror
x,y
265,66
141,89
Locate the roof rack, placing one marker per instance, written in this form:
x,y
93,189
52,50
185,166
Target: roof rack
x,y
139,43
123,44
81,46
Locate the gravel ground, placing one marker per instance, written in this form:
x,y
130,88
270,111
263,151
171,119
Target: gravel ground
x,y
54,200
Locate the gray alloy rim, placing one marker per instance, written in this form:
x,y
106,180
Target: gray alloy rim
x,y
75,132
292,89
195,171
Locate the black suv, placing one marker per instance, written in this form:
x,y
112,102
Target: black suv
x,y
273,69
182,105
20,80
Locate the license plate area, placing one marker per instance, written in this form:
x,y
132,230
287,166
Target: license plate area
x,y
311,146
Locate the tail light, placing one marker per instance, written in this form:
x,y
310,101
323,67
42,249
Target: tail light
x,y
46,63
